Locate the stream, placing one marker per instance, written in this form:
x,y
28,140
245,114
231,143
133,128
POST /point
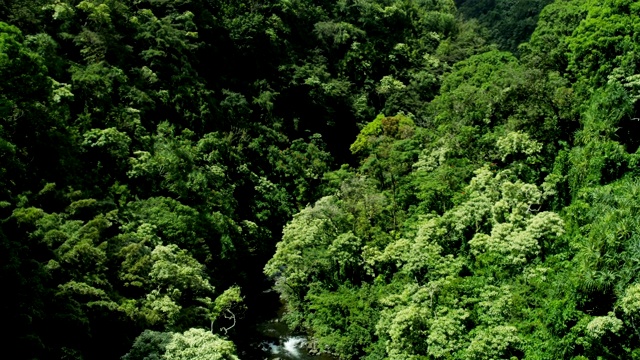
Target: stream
x,y
279,343
272,339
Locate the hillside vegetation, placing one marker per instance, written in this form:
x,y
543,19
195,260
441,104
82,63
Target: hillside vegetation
x,y
420,179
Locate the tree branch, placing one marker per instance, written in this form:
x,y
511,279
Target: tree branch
x,y
231,316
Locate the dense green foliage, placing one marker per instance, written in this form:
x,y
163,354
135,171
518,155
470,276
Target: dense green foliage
x,y
508,22
496,223
156,157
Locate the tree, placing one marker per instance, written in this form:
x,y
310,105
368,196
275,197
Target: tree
x,y
192,344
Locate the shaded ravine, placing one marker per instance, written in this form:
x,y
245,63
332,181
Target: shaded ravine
x,y
271,338
279,343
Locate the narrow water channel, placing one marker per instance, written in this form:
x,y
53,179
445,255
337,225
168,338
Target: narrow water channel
x,y
279,343
272,339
